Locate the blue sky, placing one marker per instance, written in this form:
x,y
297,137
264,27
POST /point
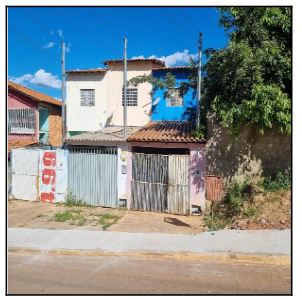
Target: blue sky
x,y
95,34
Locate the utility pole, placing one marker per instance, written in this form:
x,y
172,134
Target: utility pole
x,y
125,88
63,95
199,80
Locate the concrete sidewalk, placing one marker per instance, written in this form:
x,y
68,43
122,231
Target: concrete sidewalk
x,y
267,242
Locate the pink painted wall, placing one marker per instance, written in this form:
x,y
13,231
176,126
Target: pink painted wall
x,y
18,101
197,159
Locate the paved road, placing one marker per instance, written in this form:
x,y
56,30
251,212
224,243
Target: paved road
x,y
55,274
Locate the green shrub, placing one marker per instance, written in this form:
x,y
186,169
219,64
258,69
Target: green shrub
x,y
63,216
72,201
107,220
73,215
215,222
282,181
235,196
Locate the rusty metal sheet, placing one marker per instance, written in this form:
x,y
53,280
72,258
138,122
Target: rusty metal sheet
x,y
214,188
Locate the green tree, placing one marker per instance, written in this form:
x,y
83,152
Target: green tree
x,y
249,81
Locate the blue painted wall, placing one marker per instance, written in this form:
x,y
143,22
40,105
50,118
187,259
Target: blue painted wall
x,y
162,112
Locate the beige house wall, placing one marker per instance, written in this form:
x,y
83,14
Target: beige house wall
x,y
251,155
137,115
84,118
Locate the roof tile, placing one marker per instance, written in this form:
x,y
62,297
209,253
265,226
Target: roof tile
x,y
35,95
166,131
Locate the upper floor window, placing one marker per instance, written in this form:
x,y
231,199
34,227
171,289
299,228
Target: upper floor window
x,y
131,97
174,99
87,97
21,121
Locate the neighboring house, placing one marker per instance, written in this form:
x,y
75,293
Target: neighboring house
x,y
175,107
94,98
33,118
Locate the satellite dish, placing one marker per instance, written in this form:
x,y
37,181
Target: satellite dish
x,y
109,115
156,102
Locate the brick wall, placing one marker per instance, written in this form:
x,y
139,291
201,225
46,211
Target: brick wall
x,y
251,155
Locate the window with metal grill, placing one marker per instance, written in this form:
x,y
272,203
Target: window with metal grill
x,y
174,99
21,121
87,97
131,97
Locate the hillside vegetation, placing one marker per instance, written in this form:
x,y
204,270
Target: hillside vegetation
x,y
262,204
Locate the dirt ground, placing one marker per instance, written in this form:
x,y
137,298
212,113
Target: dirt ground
x,y
273,212
42,215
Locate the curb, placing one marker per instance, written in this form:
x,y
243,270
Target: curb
x,y
231,258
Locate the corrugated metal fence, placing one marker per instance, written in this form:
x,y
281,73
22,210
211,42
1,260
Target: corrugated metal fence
x,y
160,183
92,175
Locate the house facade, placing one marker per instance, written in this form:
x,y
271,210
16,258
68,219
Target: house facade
x,y
34,118
159,166
166,161
94,98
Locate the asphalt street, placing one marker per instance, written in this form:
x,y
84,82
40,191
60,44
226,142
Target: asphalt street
x,y
36,273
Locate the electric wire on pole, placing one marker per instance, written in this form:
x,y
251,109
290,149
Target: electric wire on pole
x,y
125,88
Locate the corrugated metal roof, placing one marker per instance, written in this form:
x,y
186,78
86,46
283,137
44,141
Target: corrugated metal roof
x,y
97,70
160,62
108,134
166,131
35,95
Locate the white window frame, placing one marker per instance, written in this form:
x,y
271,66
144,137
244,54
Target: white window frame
x,y
131,98
87,97
21,121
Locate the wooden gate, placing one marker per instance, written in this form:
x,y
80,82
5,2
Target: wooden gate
x,y
160,183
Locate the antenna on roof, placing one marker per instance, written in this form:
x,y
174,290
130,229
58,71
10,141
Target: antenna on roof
x,y
156,101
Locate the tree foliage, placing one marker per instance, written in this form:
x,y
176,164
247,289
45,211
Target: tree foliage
x,y
249,81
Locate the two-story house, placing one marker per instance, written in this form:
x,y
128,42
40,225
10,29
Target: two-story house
x,y
98,146
166,166
94,97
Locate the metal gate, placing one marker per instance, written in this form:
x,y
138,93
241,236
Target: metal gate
x,y
25,174
160,183
92,175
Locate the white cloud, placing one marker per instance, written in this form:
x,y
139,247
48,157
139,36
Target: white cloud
x,y
138,57
177,58
22,79
60,32
67,47
41,77
49,45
